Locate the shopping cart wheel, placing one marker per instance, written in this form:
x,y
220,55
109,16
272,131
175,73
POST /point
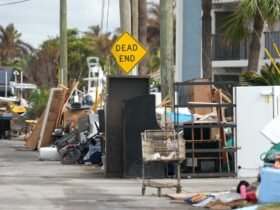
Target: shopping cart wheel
x,y
178,189
159,192
143,190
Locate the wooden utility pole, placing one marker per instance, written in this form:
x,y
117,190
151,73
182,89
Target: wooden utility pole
x,y
134,18
129,20
125,14
63,43
142,20
134,27
166,49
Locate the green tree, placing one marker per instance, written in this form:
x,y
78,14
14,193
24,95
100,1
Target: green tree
x,y
43,66
257,12
11,46
38,100
101,44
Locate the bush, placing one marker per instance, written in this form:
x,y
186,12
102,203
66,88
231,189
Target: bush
x,y
38,101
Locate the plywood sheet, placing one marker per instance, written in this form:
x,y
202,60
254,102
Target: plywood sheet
x,y
33,139
53,110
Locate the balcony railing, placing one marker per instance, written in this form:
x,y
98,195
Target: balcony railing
x,y
222,51
270,39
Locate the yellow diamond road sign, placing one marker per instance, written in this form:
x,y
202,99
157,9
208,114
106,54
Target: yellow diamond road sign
x,y
127,52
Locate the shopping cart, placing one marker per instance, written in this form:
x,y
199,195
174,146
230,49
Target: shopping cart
x,y
162,146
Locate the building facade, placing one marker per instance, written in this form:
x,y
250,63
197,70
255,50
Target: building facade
x,y
229,62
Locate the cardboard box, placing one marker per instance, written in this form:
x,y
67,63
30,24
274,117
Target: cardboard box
x,y
200,93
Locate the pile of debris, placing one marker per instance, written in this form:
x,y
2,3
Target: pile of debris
x,y
65,131
12,123
257,195
55,116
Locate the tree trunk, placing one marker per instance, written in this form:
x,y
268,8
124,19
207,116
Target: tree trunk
x,y
63,43
166,49
207,39
142,68
255,45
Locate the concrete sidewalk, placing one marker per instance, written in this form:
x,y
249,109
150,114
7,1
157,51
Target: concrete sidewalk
x,y
27,183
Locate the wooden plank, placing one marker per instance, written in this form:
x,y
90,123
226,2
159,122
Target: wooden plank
x,y
75,86
66,96
224,96
221,118
33,139
54,107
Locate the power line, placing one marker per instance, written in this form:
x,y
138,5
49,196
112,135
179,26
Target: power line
x,y
15,2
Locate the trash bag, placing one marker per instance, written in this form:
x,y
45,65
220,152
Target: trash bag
x,y
270,155
95,158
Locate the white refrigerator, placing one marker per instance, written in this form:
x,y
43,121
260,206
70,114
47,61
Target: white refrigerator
x,y
255,108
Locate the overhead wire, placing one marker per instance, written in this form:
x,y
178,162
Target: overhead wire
x,y
15,2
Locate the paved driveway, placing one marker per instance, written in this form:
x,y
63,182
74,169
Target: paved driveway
x,y
27,183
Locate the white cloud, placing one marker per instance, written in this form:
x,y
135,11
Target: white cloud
x,y
38,20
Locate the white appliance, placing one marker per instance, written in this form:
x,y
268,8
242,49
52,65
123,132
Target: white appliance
x,y
255,108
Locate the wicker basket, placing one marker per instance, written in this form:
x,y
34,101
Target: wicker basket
x,y
159,145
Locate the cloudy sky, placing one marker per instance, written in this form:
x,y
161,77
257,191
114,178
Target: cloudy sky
x,y
38,20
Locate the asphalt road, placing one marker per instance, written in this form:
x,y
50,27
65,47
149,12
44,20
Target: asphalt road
x,y
27,183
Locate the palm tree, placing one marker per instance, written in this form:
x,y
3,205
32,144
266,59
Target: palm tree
x,y
94,31
11,46
142,19
257,12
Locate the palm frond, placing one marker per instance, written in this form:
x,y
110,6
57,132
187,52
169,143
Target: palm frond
x,y
268,76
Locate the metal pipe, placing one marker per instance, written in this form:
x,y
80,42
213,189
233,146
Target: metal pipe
x,y
21,81
276,49
272,60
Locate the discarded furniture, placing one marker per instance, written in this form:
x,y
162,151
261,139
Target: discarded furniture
x,y
119,88
208,153
255,108
138,116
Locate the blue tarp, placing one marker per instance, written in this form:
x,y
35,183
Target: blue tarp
x,y
180,117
